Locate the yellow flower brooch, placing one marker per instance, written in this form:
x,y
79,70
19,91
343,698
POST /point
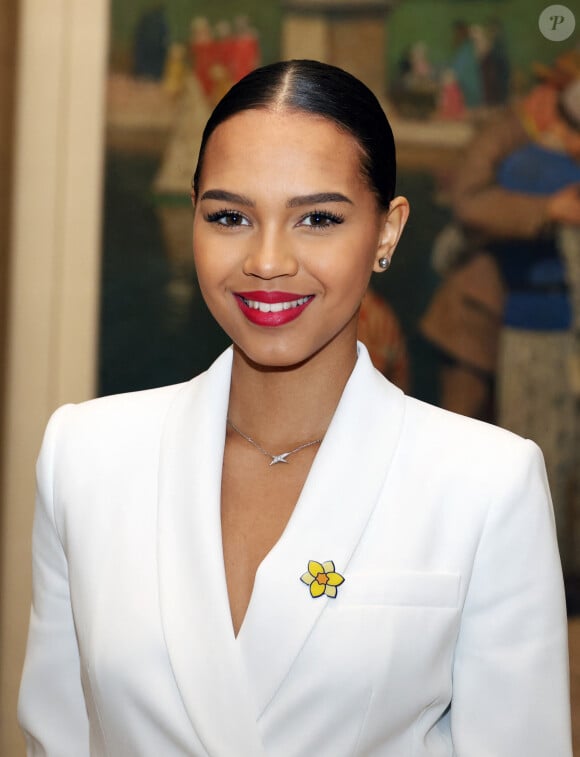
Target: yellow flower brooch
x,y
322,579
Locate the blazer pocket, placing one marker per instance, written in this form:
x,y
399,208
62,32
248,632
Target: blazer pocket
x,y
404,589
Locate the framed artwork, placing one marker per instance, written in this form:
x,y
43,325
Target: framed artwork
x,y
439,67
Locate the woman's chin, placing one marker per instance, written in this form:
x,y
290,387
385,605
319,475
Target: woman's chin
x,y
274,359
291,354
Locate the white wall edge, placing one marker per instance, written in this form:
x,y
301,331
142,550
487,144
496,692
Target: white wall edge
x,y
54,278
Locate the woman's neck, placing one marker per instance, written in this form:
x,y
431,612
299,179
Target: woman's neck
x,y
286,406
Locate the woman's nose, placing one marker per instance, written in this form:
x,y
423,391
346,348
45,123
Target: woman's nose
x,y
270,256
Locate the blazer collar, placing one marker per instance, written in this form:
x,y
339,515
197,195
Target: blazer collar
x,y
223,679
193,594
335,505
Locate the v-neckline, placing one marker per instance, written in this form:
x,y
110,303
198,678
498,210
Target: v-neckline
x,y
227,678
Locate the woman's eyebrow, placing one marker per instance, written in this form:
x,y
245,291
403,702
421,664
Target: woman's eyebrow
x,y
225,196
313,199
294,202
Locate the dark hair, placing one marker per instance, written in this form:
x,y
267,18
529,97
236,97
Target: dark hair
x,y
322,90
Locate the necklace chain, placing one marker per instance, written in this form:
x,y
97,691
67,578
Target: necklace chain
x,y
283,457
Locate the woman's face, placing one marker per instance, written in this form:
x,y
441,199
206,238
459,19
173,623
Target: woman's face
x,y
286,234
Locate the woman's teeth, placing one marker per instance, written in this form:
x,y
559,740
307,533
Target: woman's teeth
x,y
275,307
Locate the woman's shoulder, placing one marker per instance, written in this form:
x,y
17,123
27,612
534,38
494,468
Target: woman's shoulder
x,y
133,420
460,438
114,420
125,403
469,462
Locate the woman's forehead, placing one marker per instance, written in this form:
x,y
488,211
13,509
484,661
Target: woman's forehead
x,y
276,120
278,139
273,155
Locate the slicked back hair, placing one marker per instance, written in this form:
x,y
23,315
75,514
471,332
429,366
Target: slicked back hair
x,y
319,89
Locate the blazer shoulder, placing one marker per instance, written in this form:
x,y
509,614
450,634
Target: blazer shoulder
x,y
113,422
472,466
465,440
146,404
145,401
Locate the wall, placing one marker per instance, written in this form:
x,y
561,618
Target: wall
x,y
53,278
8,25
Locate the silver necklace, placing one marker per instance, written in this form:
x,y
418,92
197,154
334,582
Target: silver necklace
x,y
283,457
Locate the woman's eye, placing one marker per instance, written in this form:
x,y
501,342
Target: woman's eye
x,y
321,220
227,218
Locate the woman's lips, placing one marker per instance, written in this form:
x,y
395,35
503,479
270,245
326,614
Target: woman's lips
x,y
272,308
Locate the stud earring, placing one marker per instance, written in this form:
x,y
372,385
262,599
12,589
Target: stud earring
x,y
384,263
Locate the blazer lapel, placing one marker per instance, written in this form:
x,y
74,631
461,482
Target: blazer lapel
x,y
334,507
194,602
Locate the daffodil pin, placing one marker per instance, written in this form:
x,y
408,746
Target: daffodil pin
x,y
322,579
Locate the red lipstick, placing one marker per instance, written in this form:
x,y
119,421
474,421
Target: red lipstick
x,y
272,308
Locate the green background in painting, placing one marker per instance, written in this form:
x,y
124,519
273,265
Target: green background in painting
x,y
264,16
411,20
431,20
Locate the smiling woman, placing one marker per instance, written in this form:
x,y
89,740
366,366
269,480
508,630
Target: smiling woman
x,y
431,619
304,224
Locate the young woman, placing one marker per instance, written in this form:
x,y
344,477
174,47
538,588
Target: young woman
x,y
287,556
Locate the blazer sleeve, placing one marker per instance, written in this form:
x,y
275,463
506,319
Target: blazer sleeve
x,y
510,679
51,707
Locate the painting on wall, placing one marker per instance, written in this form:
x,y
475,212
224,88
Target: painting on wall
x,y
167,71
169,64
487,101
440,69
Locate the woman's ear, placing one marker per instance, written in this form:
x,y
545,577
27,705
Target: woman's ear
x,y
192,195
393,224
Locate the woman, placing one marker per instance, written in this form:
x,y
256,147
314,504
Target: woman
x,y
287,556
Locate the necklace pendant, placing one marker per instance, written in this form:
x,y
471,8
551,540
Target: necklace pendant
x,y
280,458
274,459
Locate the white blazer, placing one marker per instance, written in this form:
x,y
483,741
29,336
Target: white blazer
x,y
447,637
